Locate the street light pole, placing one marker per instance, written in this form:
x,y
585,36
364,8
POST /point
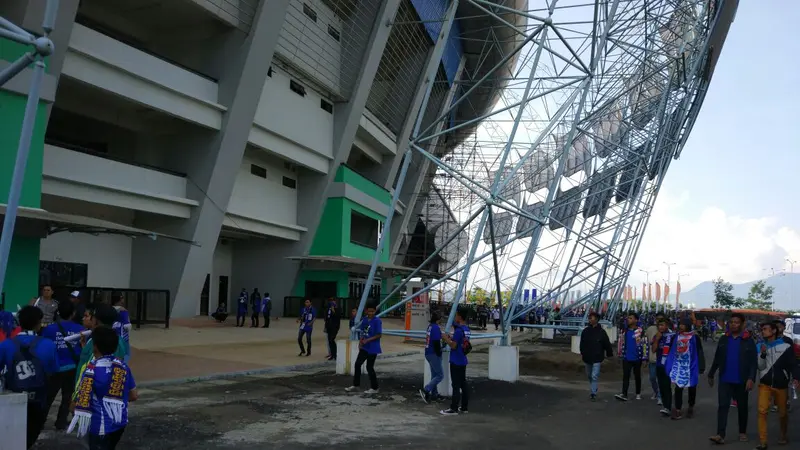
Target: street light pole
x,y
647,278
669,277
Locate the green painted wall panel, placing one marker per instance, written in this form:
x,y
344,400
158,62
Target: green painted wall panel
x,y
341,278
22,275
348,176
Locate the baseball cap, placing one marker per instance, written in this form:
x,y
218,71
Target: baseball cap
x,y
75,294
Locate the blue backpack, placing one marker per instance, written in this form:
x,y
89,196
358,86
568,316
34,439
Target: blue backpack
x,y
26,373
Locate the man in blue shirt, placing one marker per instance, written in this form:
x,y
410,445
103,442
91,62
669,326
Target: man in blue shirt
x,y
433,354
333,321
737,360
68,354
255,304
21,359
241,308
306,320
633,350
369,347
266,309
459,347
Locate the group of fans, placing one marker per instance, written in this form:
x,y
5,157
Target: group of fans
x,y
78,350
672,350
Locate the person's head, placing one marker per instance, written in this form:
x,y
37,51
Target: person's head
x,y
30,318
461,315
769,330
353,312
47,292
266,294
371,309
685,325
435,317
662,325
102,315
75,296
255,289
736,323
307,303
633,319
593,318
66,310
104,341
332,301
781,326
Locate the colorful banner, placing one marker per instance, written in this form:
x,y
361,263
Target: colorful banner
x,y
526,296
666,296
658,292
649,292
677,295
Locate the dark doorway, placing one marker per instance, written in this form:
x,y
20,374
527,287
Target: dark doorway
x,y
223,292
204,296
320,289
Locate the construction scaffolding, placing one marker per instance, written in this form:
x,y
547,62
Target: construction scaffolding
x,y
552,186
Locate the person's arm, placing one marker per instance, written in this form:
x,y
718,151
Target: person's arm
x,y
701,355
607,344
313,317
450,341
753,363
133,392
583,342
714,363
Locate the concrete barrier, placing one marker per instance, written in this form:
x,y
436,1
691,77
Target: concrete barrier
x,y
13,421
445,388
548,333
504,363
576,345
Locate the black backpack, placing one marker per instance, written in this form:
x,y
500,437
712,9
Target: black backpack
x,y
26,373
465,344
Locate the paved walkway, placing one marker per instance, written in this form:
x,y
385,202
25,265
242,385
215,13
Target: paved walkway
x,y
200,347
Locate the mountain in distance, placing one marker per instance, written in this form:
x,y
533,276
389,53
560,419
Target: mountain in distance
x,y
786,295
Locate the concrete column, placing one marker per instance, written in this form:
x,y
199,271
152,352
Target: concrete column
x,y
445,387
213,162
13,420
504,363
312,188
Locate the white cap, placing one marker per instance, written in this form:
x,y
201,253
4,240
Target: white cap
x,y
75,294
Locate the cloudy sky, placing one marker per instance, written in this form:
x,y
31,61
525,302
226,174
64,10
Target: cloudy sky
x,y
726,208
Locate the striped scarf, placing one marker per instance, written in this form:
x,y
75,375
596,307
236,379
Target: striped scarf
x,y
113,401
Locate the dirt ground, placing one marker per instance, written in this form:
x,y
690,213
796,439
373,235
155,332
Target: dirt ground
x,y
547,409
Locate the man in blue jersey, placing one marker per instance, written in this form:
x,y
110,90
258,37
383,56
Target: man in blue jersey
x,y
433,354
266,309
306,320
369,347
27,360
459,348
68,354
241,308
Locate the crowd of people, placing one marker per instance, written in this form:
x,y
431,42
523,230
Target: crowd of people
x,y
80,351
672,350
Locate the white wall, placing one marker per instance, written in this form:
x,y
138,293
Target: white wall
x,y
108,256
266,200
221,266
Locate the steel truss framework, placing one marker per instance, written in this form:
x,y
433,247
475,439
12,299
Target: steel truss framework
x,y
555,188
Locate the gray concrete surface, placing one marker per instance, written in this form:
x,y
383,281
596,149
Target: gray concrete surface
x,y
548,409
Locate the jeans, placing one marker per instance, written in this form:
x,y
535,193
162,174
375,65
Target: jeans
x,y
664,387
627,367
728,392
679,397
593,373
307,333
64,382
765,396
458,379
362,357
654,378
106,442
437,374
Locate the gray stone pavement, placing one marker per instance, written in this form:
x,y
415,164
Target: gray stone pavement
x,y
548,409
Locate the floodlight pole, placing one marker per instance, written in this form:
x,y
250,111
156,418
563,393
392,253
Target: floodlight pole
x,y
42,47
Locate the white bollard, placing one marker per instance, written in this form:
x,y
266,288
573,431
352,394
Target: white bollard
x,y
445,387
504,363
548,333
346,353
13,421
576,345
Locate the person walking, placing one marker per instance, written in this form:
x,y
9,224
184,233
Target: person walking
x,y
633,350
685,364
306,320
255,305
776,365
594,345
459,349
736,359
266,309
369,347
663,344
433,355
68,355
651,333
333,321
241,308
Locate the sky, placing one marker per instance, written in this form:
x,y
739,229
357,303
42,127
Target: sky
x,y
727,207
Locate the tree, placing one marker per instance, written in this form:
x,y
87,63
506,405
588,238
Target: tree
x,y
723,295
760,296
477,296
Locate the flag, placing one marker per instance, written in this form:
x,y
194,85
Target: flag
x,y
634,292
526,296
658,292
644,292
677,294
649,292
666,296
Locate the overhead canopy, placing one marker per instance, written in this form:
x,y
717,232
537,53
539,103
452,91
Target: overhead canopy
x,y
359,265
35,222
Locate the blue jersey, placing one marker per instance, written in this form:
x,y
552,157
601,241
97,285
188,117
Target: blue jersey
x,y
371,328
66,358
109,378
433,334
307,316
460,337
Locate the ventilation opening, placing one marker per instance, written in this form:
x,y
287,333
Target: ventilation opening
x,y
297,88
269,72
309,12
258,171
290,183
334,33
327,106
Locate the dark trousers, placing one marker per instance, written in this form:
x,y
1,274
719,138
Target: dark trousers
x,y
220,316
307,334
240,318
332,342
64,382
482,321
627,368
664,387
254,319
458,380
36,417
496,324
266,319
105,442
728,392
362,357
679,397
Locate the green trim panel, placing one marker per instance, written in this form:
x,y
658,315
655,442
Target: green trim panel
x,y
348,176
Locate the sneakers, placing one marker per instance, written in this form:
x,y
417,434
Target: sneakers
x,y
638,397
621,397
761,447
664,412
655,397
690,412
302,354
426,397
371,391
593,397
462,410
448,412
351,388
660,403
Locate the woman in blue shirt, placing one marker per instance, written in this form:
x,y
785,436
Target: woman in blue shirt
x,y
306,320
369,346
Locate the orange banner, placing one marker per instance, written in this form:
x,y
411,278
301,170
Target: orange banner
x,y
658,292
666,294
649,292
677,294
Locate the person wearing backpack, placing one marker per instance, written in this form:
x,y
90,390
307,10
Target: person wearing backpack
x,y
27,360
459,349
68,354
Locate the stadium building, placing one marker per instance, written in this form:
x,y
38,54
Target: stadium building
x,y
186,149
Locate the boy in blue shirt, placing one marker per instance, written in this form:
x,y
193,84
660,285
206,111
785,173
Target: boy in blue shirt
x,y
241,308
27,360
634,351
105,389
306,320
68,355
369,347
459,347
433,354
